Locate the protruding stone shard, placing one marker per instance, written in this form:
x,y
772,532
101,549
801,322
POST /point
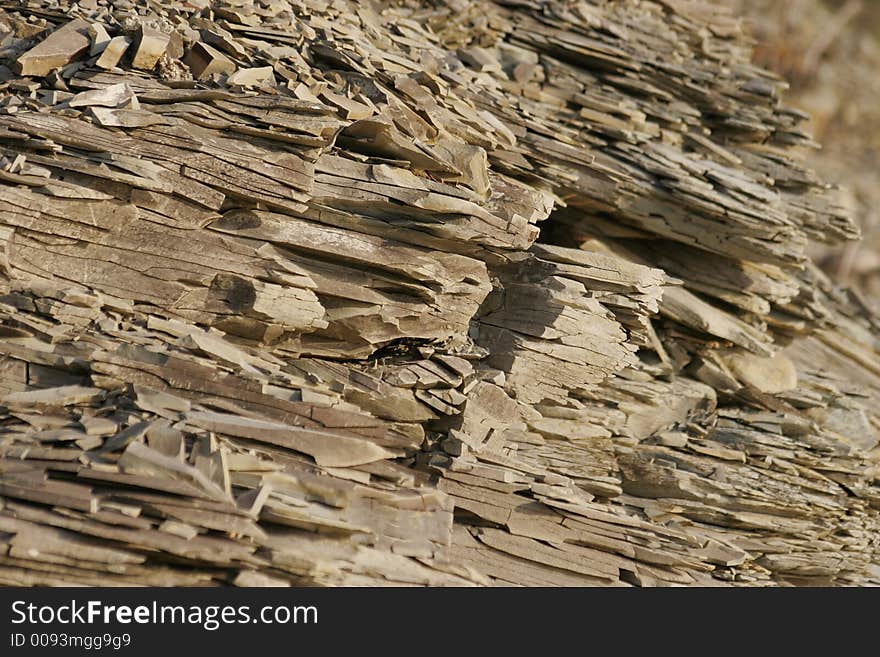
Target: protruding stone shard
x,y
113,96
205,61
434,293
772,375
100,39
58,49
149,46
252,77
113,52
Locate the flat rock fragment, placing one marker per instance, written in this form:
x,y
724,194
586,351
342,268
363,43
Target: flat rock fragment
x,y
58,49
429,293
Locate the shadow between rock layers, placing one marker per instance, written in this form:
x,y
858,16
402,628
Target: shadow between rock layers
x,y
437,293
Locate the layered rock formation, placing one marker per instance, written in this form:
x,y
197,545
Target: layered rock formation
x,y
434,293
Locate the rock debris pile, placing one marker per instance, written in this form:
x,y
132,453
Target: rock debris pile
x,y
436,293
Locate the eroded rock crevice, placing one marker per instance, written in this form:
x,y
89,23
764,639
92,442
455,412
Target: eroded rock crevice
x,y
437,293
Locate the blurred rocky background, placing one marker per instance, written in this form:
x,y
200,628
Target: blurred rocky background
x,y
829,52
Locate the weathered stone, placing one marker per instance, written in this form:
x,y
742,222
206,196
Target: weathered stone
x,y
113,52
252,77
770,375
113,96
99,37
58,49
481,293
149,48
205,61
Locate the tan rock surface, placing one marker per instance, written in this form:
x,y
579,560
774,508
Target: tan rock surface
x,y
475,293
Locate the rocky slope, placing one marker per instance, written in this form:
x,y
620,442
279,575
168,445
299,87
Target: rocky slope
x,y
434,293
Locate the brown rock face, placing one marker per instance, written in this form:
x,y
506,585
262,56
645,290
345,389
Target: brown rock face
x,y
58,49
438,293
150,45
